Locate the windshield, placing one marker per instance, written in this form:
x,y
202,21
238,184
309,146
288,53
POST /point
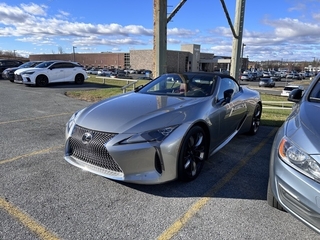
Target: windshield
x,y
29,64
189,85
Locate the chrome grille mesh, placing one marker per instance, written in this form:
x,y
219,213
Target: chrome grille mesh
x,y
92,152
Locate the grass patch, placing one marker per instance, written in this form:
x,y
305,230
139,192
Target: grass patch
x,y
274,117
108,89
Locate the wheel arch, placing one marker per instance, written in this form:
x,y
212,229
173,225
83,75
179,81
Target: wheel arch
x,y
205,127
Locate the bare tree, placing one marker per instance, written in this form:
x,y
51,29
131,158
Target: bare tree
x,y
60,50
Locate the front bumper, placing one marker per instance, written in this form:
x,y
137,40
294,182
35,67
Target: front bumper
x,y
142,163
297,194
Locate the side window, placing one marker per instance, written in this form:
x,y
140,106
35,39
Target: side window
x,y
69,65
57,65
315,93
226,84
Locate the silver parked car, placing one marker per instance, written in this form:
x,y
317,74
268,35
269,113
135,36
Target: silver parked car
x,y
267,82
294,179
164,130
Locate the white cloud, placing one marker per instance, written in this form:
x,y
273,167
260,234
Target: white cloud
x,y
34,9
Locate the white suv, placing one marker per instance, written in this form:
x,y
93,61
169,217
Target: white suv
x,y
51,72
287,89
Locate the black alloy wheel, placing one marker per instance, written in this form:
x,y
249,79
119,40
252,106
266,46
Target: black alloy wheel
x,y
256,118
192,155
42,81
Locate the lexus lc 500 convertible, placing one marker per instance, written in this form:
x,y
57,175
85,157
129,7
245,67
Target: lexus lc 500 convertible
x,y
164,130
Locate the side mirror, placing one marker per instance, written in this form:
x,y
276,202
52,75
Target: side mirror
x,y
227,94
295,95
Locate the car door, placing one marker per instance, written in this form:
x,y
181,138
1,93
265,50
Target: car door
x,y
56,72
70,70
231,108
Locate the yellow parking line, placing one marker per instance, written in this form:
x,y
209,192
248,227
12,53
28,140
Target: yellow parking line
x,y
36,118
26,220
30,154
35,227
177,225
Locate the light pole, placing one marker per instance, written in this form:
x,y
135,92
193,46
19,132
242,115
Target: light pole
x,y
74,54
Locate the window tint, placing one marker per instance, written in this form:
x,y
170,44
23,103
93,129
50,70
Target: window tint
x,y
226,84
315,93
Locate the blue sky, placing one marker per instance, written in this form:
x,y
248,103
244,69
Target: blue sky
x,y
287,30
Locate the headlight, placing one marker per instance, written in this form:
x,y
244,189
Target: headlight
x,y
150,136
72,121
28,72
299,160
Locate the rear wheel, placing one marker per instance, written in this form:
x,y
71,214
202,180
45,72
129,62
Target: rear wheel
x,y
42,81
192,155
79,79
256,118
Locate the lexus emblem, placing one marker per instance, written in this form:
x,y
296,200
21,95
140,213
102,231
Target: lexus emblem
x,y
86,138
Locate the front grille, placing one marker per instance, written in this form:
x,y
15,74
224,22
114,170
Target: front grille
x,y
17,77
92,152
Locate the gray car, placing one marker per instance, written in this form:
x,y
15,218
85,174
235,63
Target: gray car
x,y
294,179
267,82
164,130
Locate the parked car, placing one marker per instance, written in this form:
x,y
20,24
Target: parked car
x,y
275,78
163,130
8,63
294,178
51,72
266,82
104,72
131,71
296,76
93,71
8,73
123,75
266,74
287,89
255,76
246,77
289,76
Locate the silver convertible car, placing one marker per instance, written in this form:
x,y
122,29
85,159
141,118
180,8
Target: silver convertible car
x,y
164,130
294,179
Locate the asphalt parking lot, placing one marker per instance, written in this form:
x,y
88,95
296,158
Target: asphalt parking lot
x,y
44,197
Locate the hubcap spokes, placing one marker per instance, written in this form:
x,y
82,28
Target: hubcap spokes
x,y
194,153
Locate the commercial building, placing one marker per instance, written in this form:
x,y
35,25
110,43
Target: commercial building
x,y
189,58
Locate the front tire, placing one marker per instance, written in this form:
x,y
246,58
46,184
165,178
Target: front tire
x,y
42,81
192,154
256,118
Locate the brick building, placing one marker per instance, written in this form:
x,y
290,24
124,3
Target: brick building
x,y
189,58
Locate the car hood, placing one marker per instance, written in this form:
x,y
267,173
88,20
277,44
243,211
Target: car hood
x,y
11,69
137,112
20,70
303,127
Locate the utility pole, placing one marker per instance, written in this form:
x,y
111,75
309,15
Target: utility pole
x,y
160,37
160,21
74,53
237,40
